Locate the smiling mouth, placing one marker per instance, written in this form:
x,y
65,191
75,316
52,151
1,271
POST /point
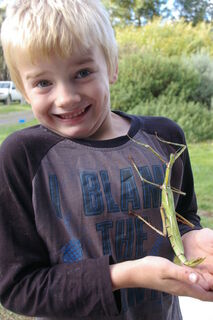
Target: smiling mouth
x,y
73,115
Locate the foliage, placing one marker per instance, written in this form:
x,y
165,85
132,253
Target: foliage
x,y
194,10
139,12
187,114
203,63
146,76
4,75
180,88
166,38
136,12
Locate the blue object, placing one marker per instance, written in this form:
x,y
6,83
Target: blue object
x,y
22,121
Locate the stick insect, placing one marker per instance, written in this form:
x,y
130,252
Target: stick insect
x,y
167,209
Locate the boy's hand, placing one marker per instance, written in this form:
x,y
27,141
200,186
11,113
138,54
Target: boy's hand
x,y
161,274
199,243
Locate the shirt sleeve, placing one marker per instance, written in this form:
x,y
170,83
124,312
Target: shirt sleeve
x,y
29,285
187,205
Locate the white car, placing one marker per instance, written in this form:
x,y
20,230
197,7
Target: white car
x,y
8,92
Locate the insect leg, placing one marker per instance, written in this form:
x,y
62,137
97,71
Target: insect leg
x,y
147,147
147,223
142,178
184,220
178,191
178,153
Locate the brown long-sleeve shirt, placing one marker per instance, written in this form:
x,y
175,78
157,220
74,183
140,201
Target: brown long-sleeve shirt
x,y
64,218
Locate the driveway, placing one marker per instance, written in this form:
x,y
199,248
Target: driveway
x,y
16,117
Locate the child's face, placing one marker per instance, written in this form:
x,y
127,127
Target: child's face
x,y
70,96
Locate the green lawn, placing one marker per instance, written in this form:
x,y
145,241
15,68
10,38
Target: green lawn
x,y
202,165
15,107
5,130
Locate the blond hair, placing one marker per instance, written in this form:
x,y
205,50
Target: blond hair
x,y
41,27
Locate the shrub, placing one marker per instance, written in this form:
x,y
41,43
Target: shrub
x,y
146,76
166,69
196,121
203,63
166,38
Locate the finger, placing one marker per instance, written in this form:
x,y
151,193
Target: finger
x,y
205,296
193,277
209,278
204,282
189,276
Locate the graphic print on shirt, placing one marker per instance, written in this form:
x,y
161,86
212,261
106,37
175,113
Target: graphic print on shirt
x,y
93,197
72,251
129,233
98,199
126,229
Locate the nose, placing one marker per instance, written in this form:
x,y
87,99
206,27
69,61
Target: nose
x,y
67,95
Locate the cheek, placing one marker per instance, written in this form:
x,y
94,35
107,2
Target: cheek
x,y
39,109
102,91
107,100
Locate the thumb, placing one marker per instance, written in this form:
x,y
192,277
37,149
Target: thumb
x,y
196,278
187,275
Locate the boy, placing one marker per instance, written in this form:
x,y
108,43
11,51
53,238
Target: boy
x,y
68,247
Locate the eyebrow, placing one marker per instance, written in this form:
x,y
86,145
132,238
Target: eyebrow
x,y
80,61
35,75
84,60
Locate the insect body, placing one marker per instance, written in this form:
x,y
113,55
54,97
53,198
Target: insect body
x,y
167,209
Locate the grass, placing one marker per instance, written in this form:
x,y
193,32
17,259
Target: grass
x,y
8,315
15,107
202,165
5,130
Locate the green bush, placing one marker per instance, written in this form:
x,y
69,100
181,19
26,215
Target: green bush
x,y
195,120
146,76
166,38
166,69
203,63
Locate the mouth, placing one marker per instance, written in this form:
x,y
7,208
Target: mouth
x,y
74,114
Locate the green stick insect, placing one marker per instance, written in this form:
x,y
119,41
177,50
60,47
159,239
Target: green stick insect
x,y
167,209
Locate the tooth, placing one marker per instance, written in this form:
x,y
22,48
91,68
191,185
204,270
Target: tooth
x,y
70,116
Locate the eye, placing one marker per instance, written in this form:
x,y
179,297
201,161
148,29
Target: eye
x,y
43,83
83,74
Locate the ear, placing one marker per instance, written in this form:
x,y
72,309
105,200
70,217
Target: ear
x,y
114,77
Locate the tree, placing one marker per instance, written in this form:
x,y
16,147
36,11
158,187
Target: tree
x,y
194,11
135,11
209,12
4,74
